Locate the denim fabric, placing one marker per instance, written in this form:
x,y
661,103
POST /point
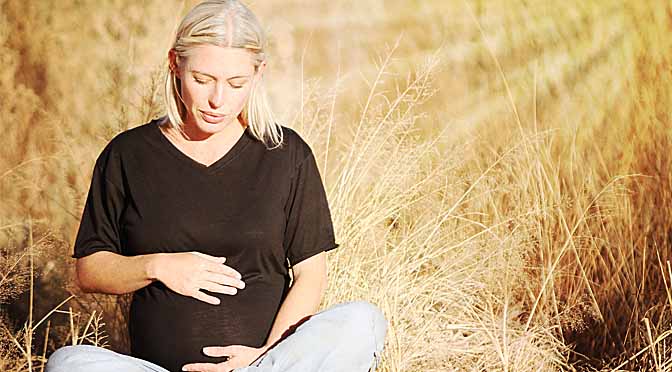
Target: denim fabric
x,y
346,337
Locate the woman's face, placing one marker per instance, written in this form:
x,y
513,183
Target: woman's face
x,y
215,84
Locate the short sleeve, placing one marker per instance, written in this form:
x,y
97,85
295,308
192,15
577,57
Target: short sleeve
x,y
309,229
99,226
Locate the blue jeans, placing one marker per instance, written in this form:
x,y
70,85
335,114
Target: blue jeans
x,y
345,337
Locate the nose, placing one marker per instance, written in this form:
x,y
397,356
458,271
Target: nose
x,y
217,96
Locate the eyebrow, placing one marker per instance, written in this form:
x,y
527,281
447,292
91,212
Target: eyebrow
x,y
214,77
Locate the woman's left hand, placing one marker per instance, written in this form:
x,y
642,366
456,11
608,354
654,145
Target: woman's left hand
x,y
239,356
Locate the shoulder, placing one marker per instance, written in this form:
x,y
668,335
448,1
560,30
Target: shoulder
x,y
123,143
295,145
132,136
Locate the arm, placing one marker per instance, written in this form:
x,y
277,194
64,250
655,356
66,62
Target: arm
x,y
112,273
183,272
303,298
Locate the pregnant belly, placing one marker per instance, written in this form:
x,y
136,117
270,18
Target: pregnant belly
x,y
171,330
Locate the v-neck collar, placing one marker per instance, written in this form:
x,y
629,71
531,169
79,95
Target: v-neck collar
x,y
233,152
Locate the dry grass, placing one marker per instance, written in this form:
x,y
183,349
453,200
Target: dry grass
x,y
499,176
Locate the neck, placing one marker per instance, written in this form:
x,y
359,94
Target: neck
x,y
190,133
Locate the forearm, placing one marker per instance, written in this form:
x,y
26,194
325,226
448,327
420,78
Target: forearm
x,y
303,299
111,273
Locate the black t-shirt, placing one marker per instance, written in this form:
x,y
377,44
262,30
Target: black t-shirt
x,y
264,210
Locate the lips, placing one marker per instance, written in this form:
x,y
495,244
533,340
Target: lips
x,y
212,118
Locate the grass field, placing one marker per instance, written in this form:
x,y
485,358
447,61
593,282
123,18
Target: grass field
x,y
499,172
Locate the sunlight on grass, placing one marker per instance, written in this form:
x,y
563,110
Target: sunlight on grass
x,y
498,172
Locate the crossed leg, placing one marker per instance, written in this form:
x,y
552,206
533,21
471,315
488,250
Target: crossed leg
x,y
88,358
345,337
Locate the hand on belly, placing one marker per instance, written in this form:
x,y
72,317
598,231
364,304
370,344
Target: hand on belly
x,y
239,356
188,272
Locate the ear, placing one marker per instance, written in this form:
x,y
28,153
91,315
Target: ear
x,y
172,60
260,71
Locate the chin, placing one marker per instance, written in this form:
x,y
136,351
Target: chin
x,y
206,127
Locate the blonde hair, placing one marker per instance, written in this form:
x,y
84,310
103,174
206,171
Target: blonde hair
x,y
225,23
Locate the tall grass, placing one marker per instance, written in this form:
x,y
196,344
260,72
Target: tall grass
x,y
500,186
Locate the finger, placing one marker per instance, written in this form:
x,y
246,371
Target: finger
x,y
224,280
220,351
200,367
205,298
226,367
208,257
214,287
223,269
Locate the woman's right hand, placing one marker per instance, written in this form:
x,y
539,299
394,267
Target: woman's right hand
x,y
188,272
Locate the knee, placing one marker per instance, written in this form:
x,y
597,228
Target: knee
x,y
59,359
362,315
68,358
356,320
364,311
364,330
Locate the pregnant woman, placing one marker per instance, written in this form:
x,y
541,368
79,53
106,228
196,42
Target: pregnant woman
x,y
203,214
